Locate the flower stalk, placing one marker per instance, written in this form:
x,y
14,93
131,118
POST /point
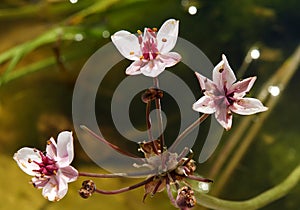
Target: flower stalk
x,y
159,116
188,130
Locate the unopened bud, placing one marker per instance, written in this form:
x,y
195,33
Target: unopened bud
x,y
152,94
185,198
87,189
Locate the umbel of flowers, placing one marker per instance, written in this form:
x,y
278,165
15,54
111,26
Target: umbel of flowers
x,y
150,53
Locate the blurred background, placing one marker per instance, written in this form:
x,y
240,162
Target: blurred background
x,y
45,43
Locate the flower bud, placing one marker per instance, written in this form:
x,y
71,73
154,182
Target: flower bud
x,y
87,189
185,198
152,94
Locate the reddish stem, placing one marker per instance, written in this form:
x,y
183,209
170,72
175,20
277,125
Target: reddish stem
x,y
118,149
87,174
125,189
187,131
200,179
168,186
159,117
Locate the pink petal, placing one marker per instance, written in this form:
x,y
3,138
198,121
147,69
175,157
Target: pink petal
x,y
223,116
149,36
242,87
50,190
56,188
167,35
69,173
248,106
51,148
62,187
223,74
25,157
205,105
65,150
153,68
206,84
134,68
39,182
170,59
127,44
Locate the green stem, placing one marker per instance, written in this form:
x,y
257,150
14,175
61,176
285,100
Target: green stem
x,y
44,8
18,52
97,7
63,33
257,202
37,66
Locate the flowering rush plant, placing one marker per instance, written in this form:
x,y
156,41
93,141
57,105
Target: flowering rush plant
x,y
151,54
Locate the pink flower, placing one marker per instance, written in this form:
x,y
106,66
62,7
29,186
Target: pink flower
x,y
149,51
51,170
223,96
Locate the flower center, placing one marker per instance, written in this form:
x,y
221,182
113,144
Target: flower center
x,y
47,166
149,45
229,96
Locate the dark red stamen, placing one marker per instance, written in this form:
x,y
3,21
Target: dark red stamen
x,y
229,96
47,166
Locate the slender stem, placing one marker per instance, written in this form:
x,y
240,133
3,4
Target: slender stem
x,y
169,192
148,121
125,189
256,202
188,130
159,116
200,179
96,7
184,152
33,10
118,149
87,174
156,187
15,54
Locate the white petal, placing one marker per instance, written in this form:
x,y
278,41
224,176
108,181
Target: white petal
x,y
134,68
205,105
248,106
240,88
39,182
170,59
167,35
69,173
51,148
62,187
50,191
127,44
224,117
25,157
65,149
206,84
153,68
223,74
